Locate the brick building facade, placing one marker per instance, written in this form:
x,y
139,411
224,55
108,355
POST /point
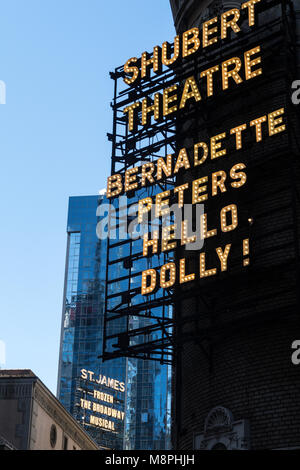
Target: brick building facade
x,y
235,385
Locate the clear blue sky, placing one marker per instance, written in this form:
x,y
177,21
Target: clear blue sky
x,y
55,58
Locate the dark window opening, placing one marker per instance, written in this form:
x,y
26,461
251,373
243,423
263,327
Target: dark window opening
x,y
65,446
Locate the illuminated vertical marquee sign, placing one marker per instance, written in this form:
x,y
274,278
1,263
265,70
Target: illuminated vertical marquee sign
x,y
174,86
100,401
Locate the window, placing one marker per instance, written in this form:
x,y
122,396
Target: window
x,y
65,443
53,436
219,446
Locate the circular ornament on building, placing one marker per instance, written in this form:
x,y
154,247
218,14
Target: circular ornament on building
x,y
218,420
53,436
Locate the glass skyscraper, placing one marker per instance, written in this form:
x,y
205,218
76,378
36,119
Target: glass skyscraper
x,y
82,319
147,397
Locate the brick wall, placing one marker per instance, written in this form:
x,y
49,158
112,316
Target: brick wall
x,y
237,328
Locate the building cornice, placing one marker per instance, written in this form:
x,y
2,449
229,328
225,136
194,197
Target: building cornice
x,y
185,10
189,13
59,414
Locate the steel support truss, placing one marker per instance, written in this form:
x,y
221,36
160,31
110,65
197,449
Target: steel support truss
x,y
144,327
